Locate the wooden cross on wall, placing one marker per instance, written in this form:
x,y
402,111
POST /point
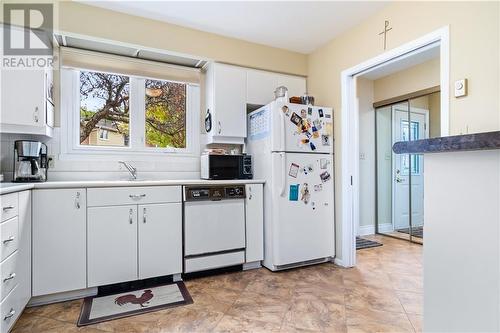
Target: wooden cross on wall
x,y
386,30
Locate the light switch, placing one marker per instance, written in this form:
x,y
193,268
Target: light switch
x,y
461,88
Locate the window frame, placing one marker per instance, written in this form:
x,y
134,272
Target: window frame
x,y
70,119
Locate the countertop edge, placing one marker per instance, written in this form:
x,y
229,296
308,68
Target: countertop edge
x,y
14,187
456,143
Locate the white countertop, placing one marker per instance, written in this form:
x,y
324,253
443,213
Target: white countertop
x,y
17,187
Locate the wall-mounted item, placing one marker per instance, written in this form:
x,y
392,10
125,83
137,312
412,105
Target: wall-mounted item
x,y
208,121
461,88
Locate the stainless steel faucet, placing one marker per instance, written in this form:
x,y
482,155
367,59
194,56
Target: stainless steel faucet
x,y
130,168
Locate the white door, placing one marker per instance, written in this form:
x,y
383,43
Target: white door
x,y
59,241
254,222
405,130
301,128
213,226
112,244
303,221
230,101
160,239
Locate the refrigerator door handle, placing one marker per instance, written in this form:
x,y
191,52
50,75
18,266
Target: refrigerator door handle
x,y
283,136
283,174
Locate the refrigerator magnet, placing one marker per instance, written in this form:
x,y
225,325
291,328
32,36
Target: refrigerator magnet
x,y
294,170
313,204
315,132
305,195
303,113
325,140
323,163
295,118
320,112
318,187
317,124
307,169
328,129
325,176
285,110
310,111
313,147
294,192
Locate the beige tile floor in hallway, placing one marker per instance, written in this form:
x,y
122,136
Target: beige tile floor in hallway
x,y
382,294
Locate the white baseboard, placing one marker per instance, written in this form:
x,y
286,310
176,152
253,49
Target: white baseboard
x,y
385,227
366,230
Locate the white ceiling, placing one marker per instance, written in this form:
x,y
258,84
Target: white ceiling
x,y
300,26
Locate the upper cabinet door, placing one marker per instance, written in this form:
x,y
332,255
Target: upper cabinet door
x,y
260,87
23,97
296,84
160,239
229,101
59,240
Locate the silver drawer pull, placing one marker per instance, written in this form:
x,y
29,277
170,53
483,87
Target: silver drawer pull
x,y
10,239
11,313
130,216
10,277
144,211
8,208
137,196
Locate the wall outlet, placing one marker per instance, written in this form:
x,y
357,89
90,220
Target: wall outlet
x,y
52,161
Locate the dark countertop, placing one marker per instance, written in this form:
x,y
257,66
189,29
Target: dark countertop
x,y
467,142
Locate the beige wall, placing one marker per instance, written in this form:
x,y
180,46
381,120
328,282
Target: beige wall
x,y
97,22
474,54
419,77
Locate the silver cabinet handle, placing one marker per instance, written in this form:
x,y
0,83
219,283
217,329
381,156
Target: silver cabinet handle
x,y
137,196
130,216
144,215
35,115
77,200
10,239
10,277
8,208
10,314
220,127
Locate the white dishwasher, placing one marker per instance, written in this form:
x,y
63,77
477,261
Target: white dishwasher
x,y
214,227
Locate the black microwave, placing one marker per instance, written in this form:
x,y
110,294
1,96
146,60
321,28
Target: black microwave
x,y
226,166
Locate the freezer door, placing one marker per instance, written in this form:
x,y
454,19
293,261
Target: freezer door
x,y
303,219
301,128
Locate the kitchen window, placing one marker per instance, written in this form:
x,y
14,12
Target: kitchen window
x,y
119,112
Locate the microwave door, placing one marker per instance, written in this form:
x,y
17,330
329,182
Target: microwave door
x,y
224,167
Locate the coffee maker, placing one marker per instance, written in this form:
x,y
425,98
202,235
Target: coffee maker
x,y
30,161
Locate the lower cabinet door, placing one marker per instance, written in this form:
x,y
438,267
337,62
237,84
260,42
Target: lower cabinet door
x,y
59,249
160,239
111,245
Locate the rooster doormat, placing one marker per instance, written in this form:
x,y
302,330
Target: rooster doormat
x,y
97,309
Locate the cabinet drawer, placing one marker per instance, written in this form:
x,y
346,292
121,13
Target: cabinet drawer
x,y
10,309
113,196
213,261
9,237
9,206
8,274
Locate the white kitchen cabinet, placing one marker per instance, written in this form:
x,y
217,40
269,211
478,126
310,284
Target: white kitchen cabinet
x,y
254,219
160,239
261,85
15,269
226,102
59,240
296,84
111,244
25,105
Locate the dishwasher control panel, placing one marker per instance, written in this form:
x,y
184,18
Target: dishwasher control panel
x,y
214,193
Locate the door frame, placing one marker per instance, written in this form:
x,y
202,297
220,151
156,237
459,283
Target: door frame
x,y
413,109
349,175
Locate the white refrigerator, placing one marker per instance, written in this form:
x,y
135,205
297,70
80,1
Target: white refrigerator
x,y
292,150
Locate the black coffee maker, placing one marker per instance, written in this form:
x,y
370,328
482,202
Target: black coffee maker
x,y
30,161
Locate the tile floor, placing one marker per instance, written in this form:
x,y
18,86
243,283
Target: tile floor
x,y
382,294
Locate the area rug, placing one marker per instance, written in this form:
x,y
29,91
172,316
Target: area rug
x,y
97,309
363,243
415,231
